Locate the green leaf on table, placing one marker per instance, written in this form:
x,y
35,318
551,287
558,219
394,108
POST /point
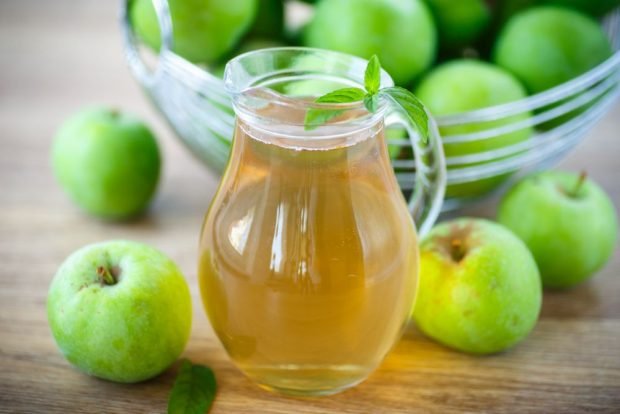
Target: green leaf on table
x,y
193,391
372,77
316,116
411,106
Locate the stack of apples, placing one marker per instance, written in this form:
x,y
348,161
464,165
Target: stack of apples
x,y
456,56
481,282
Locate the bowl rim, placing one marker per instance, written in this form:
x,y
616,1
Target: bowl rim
x,y
609,67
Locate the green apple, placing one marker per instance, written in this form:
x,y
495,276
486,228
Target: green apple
x,y
594,7
546,46
107,161
119,310
203,30
400,32
479,289
567,221
466,85
460,23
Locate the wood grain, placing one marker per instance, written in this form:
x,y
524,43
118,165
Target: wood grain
x,y
59,56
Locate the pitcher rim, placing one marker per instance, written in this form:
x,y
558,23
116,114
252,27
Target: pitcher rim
x,y
235,90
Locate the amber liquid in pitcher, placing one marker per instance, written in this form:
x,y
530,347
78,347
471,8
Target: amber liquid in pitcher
x,y
308,259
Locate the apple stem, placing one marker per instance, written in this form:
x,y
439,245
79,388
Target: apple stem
x,y
458,252
580,181
106,277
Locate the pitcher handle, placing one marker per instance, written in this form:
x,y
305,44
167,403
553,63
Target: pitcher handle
x,y
429,180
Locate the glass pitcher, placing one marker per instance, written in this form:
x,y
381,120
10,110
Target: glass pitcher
x,y
308,253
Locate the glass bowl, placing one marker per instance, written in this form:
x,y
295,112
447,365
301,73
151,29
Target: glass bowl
x,y
198,108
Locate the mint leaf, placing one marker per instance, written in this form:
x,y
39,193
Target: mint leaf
x,y
412,108
371,102
345,95
316,116
372,77
193,391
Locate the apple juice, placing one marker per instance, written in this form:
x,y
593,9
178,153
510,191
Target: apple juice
x,y
308,257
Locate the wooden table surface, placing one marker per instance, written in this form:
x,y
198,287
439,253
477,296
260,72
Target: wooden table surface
x,y
57,57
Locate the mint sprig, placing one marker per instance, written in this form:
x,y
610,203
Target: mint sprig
x,y
410,105
316,117
412,108
193,391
